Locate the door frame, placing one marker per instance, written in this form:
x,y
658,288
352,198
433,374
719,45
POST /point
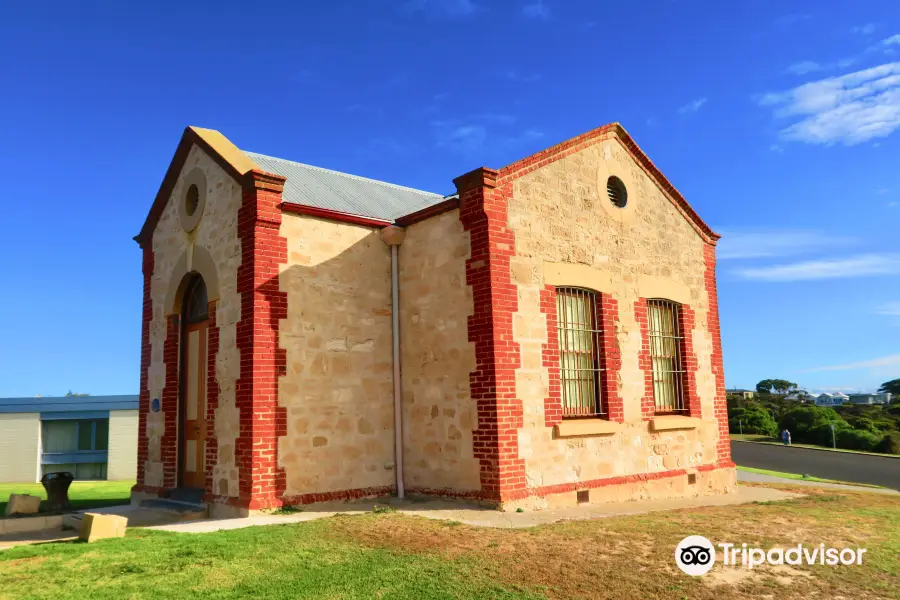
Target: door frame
x,y
188,326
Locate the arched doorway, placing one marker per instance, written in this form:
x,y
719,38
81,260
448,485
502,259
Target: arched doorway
x,y
192,404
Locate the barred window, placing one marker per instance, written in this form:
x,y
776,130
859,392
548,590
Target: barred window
x,y
665,354
579,352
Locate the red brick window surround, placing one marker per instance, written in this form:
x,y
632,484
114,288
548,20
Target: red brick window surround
x,y
581,354
668,356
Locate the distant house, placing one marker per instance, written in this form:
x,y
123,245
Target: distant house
x,y
870,398
92,437
827,399
748,394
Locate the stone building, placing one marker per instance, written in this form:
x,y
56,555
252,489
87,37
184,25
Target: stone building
x,y
546,335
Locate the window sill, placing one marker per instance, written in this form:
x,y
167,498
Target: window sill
x,y
585,427
668,422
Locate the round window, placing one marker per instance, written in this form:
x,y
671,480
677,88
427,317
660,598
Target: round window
x,y
192,200
616,191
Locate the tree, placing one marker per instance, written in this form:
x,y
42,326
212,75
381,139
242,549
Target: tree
x,y
782,387
891,387
752,418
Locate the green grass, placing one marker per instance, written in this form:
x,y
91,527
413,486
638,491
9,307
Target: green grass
x,y
805,477
393,556
765,439
82,494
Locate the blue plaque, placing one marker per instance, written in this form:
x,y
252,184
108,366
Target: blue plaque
x,y
154,405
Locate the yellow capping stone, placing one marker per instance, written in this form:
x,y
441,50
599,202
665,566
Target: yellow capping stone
x,y
95,527
584,427
668,422
22,504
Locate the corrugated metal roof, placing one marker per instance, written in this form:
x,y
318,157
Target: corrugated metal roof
x,y
45,404
351,194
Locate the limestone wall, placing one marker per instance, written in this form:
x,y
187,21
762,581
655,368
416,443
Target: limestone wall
x,y
567,231
217,233
437,357
338,388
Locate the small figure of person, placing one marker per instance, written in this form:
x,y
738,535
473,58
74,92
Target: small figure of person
x,y
784,437
788,437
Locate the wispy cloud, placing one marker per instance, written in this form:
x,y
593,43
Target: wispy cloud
x,y
891,309
692,106
473,135
893,204
885,361
536,10
774,244
863,265
518,77
850,109
788,20
867,29
440,8
805,67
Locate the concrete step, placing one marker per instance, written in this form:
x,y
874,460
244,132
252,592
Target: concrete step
x,y
187,511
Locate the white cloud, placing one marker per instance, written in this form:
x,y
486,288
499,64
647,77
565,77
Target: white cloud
x,y
771,244
863,265
518,77
443,8
788,20
893,204
804,67
776,148
536,10
693,106
891,309
867,29
885,361
467,137
850,109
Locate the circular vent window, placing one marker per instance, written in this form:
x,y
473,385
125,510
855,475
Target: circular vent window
x,y
192,200
616,191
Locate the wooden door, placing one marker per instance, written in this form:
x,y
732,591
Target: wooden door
x,y
193,449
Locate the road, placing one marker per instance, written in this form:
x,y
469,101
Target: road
x,y
843,466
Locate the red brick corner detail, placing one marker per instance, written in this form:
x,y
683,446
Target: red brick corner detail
x,y
483,214
212,396
720,408
689,359
261,482
144,392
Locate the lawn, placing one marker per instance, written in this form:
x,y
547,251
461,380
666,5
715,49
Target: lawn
x,y
393,556
82,494
804,477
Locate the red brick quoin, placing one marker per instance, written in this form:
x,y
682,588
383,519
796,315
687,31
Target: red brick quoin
x,y
144,394
493,382
261,482
720,408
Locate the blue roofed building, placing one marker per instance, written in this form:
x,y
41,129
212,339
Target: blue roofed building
x,y
92,437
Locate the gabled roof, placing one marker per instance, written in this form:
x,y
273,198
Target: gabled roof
x,y
45,404
563,149
332,190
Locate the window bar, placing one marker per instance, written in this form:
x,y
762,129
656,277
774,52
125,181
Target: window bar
x,y
579,341
666,355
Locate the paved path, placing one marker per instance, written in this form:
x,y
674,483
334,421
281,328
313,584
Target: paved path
x,y
450,510
843,466
760,478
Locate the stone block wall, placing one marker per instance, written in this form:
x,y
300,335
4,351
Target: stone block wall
x,y
216,233
437,357
567,232
337,389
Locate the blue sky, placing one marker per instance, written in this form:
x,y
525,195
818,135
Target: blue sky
x,y
777,120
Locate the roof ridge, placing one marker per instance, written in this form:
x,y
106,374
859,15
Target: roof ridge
x,y
347,175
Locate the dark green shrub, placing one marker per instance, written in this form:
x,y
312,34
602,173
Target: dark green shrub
x,y
889,444
752,419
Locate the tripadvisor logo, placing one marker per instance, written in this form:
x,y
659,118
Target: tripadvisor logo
x,y
696,555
